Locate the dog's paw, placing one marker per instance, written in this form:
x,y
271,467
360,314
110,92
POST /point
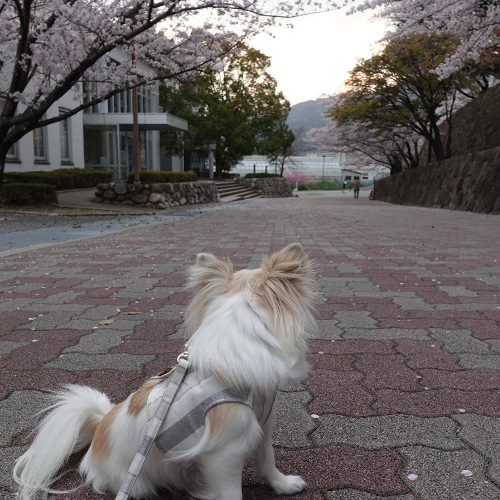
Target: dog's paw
x,y
288,485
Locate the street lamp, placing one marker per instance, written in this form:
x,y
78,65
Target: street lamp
x,y
323,167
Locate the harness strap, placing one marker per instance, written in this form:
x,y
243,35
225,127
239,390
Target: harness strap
x,y
153,427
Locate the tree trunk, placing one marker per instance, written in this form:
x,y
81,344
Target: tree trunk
x,y
218,165
2,166
437,143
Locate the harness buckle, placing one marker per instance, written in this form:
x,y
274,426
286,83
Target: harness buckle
x,y
184,355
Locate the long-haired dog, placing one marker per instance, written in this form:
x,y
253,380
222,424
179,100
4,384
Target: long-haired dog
x,y
249,331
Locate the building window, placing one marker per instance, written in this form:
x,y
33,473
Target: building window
x,y
65,138
90,94
122,102
40,144
12,153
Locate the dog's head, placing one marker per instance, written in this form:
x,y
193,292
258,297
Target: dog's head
x,y
280,292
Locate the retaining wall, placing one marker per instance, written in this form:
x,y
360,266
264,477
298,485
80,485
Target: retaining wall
x,y
158,196
469,182
273,187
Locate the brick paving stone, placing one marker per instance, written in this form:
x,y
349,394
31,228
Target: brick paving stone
x,y
435,403
439,474
355,319
79,362
386,371
293,423
389,431
336,467
404,366
327,330
382,334
460,341
350,494
468,380
426,355
482,433
18,413
346,394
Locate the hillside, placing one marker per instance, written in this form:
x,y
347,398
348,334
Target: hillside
x,y
307,115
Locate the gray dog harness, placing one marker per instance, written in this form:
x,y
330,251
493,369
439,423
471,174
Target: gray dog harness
x,y
185,422
176,410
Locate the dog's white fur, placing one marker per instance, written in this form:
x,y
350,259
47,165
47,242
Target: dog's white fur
x,y
249,328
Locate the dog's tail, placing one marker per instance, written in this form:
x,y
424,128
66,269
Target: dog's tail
x,y
68,428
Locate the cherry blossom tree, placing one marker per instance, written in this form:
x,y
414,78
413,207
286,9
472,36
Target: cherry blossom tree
x,y
476,23
295,178
51,47
395,148
395,102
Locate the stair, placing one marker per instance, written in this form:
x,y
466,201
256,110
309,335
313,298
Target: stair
x,y
230,191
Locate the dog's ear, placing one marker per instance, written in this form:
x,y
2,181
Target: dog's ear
x,y
209,270
289,263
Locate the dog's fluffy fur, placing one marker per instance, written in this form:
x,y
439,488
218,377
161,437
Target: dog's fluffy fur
x,y
249,328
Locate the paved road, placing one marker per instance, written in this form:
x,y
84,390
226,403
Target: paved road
x,y
404,391
20,231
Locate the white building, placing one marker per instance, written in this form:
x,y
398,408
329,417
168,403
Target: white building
x,y
100,137
327,166
59,145
366,174
330,166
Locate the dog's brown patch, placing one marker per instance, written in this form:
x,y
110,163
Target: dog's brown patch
x,y
220,417
101,447
139,399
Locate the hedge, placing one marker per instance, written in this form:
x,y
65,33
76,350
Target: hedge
x,y
63,178
16,193
157,177
261,175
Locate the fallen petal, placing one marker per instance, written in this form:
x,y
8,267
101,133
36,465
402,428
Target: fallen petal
x,y
412,477
466,473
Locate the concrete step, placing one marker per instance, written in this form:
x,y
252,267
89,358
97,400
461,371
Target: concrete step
x,y
230,191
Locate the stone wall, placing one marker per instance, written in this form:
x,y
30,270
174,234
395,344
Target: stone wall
x,y
158,196
469,182
470,179
271,187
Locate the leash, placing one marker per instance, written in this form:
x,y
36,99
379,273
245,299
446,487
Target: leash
x,y
154,426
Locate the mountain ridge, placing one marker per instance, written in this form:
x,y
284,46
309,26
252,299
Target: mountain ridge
x,y
308,115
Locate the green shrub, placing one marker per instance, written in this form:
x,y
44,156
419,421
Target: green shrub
x,y
261,175
86,177
59,180
156,177
14,193
63,178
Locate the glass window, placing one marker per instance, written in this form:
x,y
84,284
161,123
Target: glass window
x,y
64,137
39,144
100,145
12,152
122,102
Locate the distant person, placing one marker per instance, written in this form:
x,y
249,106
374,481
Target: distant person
x,y
355,185
344,184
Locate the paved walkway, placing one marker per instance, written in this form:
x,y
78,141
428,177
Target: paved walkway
x,y
404,392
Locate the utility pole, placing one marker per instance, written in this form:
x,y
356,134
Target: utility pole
x,y
135,133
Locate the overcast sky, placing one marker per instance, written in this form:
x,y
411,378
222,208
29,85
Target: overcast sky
x,y
314,57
